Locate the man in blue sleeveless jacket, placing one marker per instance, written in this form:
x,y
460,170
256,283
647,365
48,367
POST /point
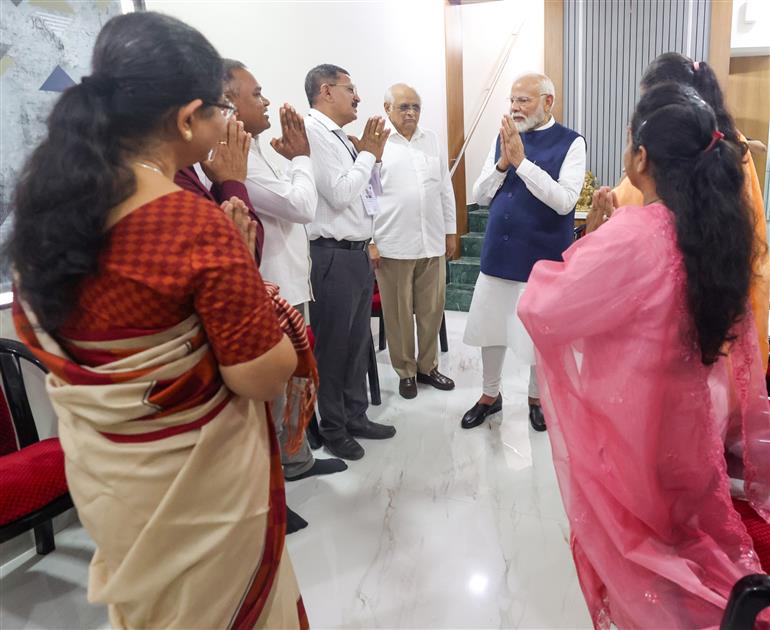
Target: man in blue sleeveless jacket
x,y
531,180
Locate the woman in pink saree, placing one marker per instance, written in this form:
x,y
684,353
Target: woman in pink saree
x,y
630,332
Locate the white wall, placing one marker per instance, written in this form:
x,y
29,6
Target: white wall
x,y
486,29
751,28
379,42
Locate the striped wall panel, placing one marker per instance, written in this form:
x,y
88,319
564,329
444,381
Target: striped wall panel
x,y
607,45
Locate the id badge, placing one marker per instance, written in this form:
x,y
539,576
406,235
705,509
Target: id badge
x,y
371,205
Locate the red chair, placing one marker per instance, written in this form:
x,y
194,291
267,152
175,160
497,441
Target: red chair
x,y
33,487
758,530
377,312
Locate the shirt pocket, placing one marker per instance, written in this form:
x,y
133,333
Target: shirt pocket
x,y
432,169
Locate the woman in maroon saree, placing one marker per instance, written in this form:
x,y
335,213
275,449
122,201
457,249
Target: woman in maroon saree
x,y
162,341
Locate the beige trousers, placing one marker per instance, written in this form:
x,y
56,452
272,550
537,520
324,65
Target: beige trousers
x,y
412,289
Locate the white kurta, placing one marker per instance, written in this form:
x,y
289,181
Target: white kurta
x,y
417,205
492,319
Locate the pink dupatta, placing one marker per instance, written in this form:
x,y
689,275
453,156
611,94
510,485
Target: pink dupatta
x,y
638,427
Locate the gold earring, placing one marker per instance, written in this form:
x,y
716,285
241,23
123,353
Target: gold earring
x,y
188,135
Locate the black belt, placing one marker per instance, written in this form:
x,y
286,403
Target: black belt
x,y
334,243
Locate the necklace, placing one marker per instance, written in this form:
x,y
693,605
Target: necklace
x,y
150,167
651,201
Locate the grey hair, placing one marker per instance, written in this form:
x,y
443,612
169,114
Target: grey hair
x,y
389,92
230,66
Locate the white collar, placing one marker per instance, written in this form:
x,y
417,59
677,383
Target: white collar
x,y
324,120
418,132
255,145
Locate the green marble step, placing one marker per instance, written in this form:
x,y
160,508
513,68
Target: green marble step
x,y
458,297
477,220
464,270
472,243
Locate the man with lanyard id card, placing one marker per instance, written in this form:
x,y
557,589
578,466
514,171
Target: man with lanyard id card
x,y
347,175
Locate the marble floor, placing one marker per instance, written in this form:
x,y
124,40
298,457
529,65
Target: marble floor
x,y
436,528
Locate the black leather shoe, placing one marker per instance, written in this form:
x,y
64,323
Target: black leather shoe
x,y
345,447
365,428
436,379
407,387
479,412
536,418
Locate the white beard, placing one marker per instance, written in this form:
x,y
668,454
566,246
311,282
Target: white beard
x,y
532,121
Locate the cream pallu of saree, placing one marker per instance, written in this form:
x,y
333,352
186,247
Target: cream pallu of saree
x,y
177,480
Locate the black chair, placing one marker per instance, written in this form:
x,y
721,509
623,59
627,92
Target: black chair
x,y
373,374
42,461
749,597
442,336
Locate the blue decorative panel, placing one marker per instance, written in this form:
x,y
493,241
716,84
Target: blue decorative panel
x,y
58,81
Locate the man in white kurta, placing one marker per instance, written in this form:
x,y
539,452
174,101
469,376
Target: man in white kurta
x,y
285,203
531,180
416,227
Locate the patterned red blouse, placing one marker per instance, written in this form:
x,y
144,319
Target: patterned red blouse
x,y
175,256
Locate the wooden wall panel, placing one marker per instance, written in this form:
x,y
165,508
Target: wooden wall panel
x,y
719,38
554,51
453,34
748,99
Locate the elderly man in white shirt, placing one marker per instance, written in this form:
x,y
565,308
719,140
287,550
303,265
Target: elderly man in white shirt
x,y
285,204
531,180
416,227
347,178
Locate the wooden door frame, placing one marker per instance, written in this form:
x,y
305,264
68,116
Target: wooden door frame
x,y
553,52
719,40
455,118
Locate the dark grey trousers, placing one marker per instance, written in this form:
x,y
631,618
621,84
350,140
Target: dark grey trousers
x,y
340,317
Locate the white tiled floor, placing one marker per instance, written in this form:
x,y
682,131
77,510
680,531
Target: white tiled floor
x,y
436,528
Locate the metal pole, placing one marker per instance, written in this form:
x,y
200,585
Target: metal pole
x,y
502,60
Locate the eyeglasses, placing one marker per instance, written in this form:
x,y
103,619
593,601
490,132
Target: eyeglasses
x,y
524,100
348,86
406,107
227,109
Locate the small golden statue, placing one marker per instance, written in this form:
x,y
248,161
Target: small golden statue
x,y
587,194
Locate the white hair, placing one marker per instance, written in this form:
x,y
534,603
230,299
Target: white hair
x,y
389,98
545,84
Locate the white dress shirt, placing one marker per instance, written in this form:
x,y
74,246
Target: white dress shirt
x,y
417,205
285,204
560,195
341,181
